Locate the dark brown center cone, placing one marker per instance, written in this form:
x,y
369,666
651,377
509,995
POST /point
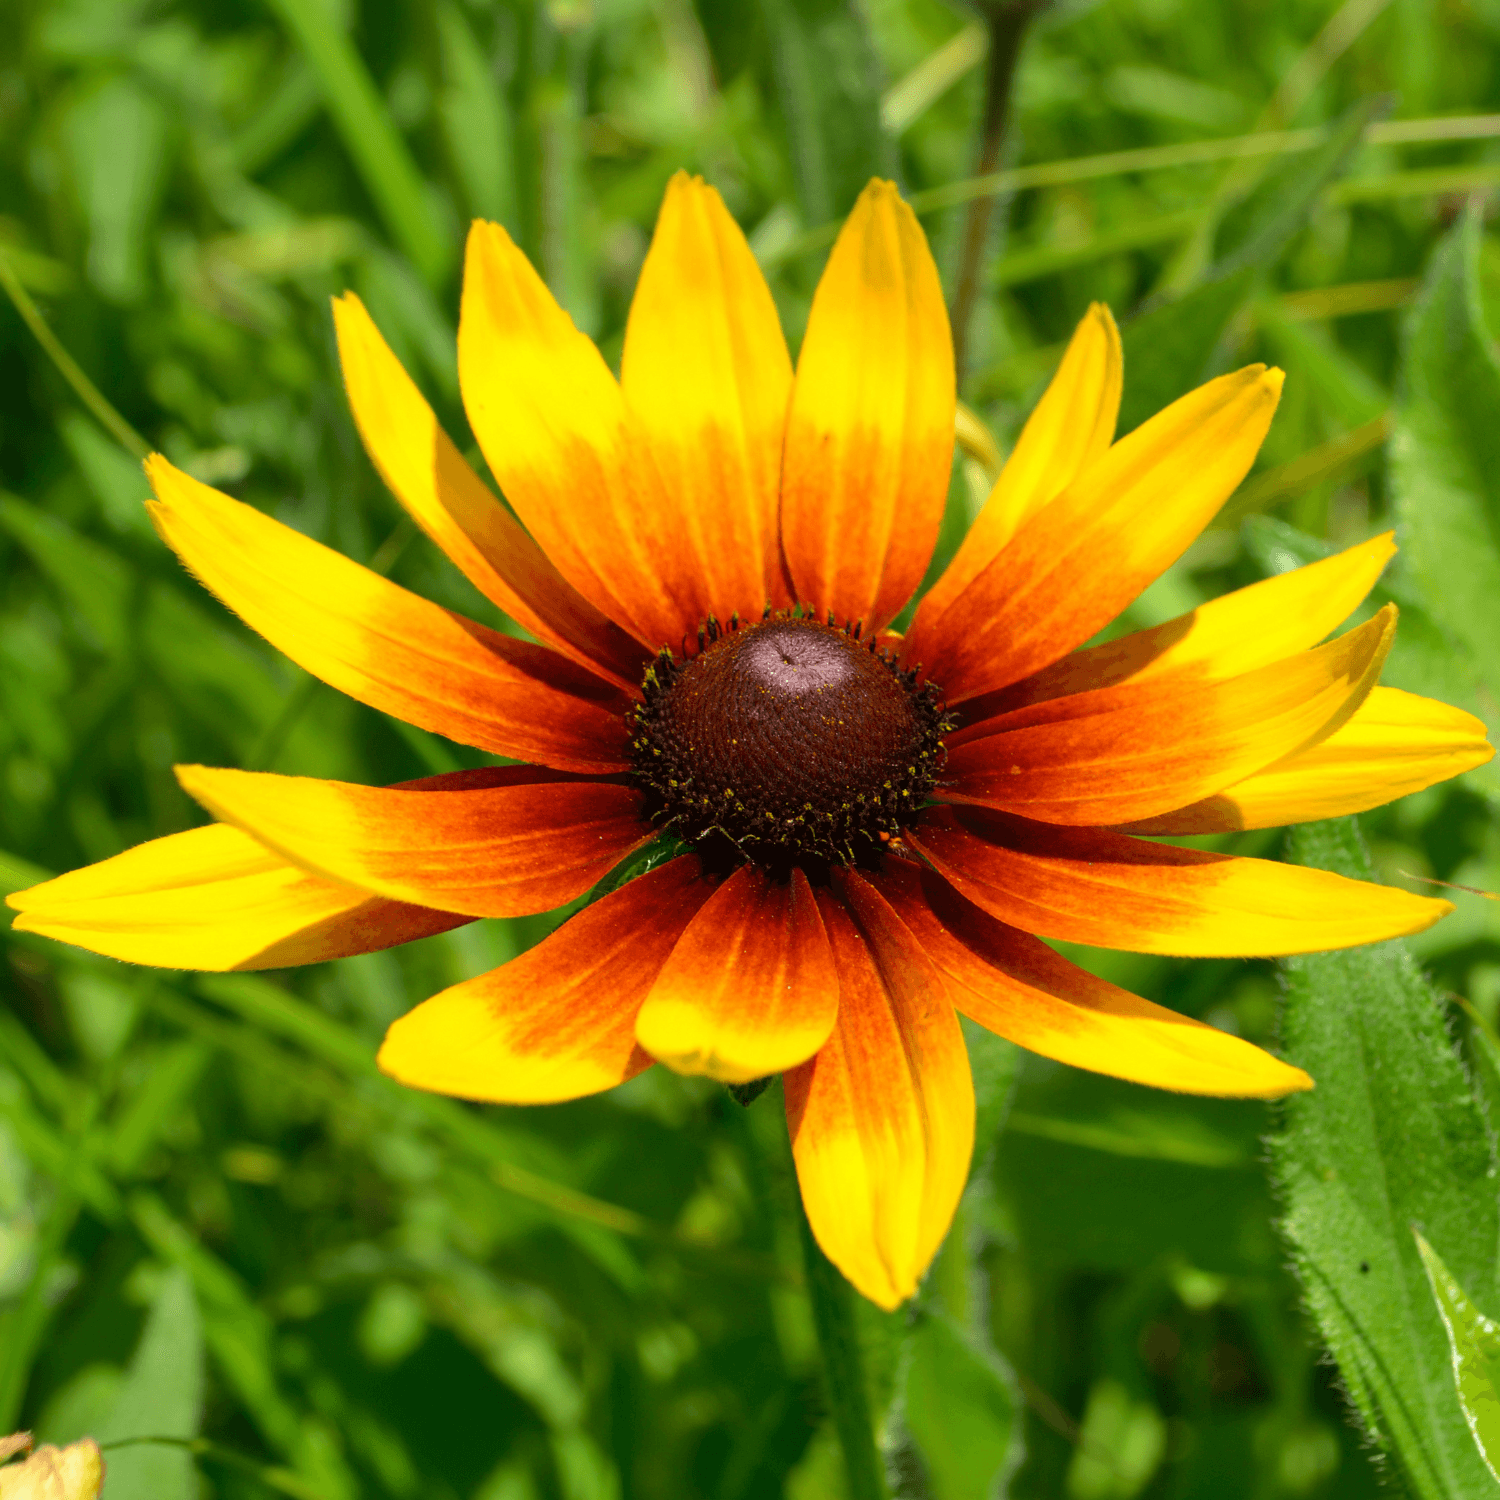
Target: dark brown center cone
x,y
790,740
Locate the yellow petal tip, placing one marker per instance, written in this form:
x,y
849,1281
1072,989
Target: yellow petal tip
x,y
191,778
1299,1084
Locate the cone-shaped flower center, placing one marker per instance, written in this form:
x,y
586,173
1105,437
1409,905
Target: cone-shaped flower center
x,y
789,740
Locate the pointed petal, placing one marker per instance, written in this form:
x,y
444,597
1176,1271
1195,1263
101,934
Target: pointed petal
x,y
450,502
378,643
1395,744
568,453
503,842
559,1021
750,988
1018,987
1081,559
1110,891
1073,424
1255,625
707,373
1118,754
882,1118
869,439
213,898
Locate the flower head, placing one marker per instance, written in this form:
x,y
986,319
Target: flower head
x,y
873,831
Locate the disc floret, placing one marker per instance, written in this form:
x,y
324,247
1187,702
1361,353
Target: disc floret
x,y
789,740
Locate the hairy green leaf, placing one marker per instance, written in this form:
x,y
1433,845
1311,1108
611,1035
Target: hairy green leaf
x,y
961,1414
1391,1136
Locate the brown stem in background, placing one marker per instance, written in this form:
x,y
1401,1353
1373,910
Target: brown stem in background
x,y
1007,21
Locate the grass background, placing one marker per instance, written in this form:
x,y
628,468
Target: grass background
x,y
215,1218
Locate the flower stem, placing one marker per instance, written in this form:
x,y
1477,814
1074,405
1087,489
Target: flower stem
x,y
832,1301
68,367
1007,21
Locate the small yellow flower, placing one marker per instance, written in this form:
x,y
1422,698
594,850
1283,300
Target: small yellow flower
x,y
72,1473
879,830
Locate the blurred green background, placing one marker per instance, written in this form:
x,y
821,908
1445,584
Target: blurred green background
x,y
215,1218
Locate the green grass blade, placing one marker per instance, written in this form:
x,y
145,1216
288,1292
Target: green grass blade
x,y
371,138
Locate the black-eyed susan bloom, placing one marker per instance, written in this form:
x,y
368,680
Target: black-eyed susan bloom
x,y
877,831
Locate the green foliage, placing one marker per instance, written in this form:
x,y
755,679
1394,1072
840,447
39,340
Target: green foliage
x,y
1474,1341
218,1222
161,1395
1444,457
1392,1136
959,1406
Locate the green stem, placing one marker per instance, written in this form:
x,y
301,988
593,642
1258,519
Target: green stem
x,y
68,367
283,1481
832,1301
1006,21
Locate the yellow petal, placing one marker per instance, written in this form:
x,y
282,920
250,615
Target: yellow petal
x,y
882,1118
1395,744
1102,888
570,456
1019,988
559,1021
1261,623
750,988
1082,558
502,842
1073,424
707,373
869,440
384,646
213,898
450,502
1119,754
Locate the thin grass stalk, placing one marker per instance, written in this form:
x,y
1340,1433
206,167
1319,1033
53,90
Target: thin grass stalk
x,y
68,367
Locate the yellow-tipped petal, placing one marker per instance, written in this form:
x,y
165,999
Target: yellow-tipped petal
x,y
500,842
450,502
1018,987
1110,891
1073,424
750,989
384,646
1395,744
882,1118
558,1022
1123,753
869,437
213,898
1238,632
1083,557
569,454
707,374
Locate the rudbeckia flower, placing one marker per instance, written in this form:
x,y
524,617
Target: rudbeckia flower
x,y
875,831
